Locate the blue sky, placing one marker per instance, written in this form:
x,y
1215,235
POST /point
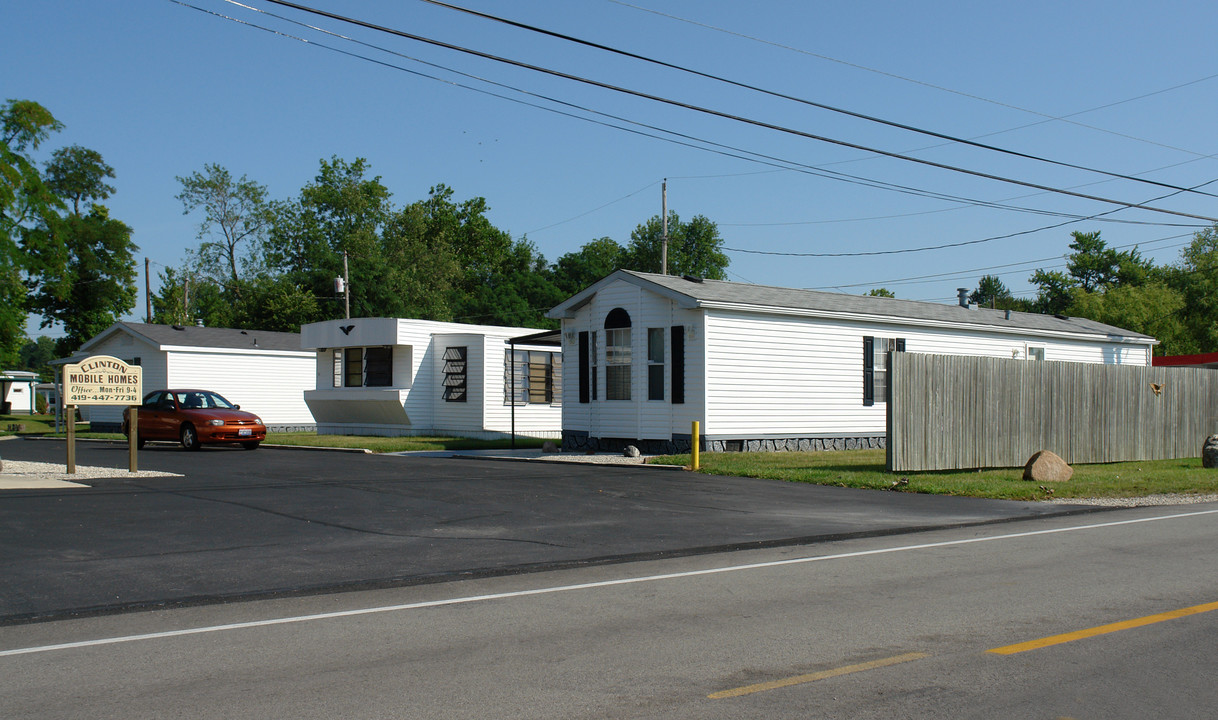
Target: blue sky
x,y
160,89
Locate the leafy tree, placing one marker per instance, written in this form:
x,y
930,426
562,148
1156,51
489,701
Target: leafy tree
x,y
1151,309
694,248
95,286
78,174
991,292
881,292
518,292
235,212
596,259
1196,279
36,354
341,210
24,198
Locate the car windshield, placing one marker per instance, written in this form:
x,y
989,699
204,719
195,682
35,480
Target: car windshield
x,y
201,400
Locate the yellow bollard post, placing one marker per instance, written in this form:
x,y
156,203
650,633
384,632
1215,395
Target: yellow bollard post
x,y
694,446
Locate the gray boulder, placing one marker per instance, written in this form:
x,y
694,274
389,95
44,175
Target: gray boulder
x,y
631,451
1209,452
549,447
1047,466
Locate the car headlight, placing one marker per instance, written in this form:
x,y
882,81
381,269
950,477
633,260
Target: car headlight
x,y
258,420
215,422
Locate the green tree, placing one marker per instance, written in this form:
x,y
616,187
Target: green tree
x,y
236,213
1195,277
340,211
35,356
24,198
594,260
881,292
1151,309
991,292
694,248
96,284
78,174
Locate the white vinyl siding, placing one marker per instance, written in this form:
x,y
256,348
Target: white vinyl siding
x,y
638,418
271,385
415,403
812,370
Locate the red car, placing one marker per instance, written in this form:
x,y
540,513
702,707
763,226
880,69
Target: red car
x,y
194,417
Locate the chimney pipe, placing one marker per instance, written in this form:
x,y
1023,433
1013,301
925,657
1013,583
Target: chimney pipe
x,y
962,293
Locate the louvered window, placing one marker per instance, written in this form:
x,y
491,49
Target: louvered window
x,y
455,377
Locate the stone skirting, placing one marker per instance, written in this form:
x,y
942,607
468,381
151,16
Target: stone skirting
x,y
575,441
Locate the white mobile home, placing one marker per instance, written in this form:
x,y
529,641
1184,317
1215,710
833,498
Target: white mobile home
x,y
394,376
773,368
17,392
263,372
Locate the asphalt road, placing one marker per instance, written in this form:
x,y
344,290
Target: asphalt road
x,y
276,522
1109,615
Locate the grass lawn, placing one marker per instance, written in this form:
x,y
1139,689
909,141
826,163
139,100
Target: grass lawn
x,y
395,444
865,469
45,425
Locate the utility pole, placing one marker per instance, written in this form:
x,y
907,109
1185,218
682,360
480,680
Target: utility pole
x,y
664,226
346,286
147,292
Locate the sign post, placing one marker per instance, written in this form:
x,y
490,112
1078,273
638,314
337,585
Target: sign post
x,y
102,380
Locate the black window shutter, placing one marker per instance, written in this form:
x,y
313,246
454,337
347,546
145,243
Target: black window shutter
x,y
868,370
678,364
900,344
583,367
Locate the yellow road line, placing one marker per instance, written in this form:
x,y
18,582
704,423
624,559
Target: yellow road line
x,y
812,677
1102,629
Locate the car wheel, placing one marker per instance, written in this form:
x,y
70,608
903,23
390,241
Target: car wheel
x,y
251,445
190,437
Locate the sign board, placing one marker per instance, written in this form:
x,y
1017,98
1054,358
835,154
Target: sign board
x,y
102,380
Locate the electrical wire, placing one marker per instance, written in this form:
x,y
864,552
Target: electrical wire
x,y
722,114
725,150
1048,118
793,98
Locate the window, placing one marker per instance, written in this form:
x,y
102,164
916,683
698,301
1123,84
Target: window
x,y
618,355
454,374
875,367
585,368
534,376
655,363
594,360
678,364
354,367
363,367
1036,353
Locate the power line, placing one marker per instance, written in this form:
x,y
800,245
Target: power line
x,y
724,115
944,245
725,150
1048,118
793,98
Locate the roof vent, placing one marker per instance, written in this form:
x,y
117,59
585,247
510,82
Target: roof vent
x,y
1059,316
177,327
692,278
962,296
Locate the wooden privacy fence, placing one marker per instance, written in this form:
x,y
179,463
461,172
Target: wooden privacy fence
x,y
956,412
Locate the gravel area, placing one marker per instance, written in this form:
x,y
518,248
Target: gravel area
x,y
1170,499
21,473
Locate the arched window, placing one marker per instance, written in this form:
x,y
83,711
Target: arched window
x,y
617,355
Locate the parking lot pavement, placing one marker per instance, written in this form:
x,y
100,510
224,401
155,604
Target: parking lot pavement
x,y
237,524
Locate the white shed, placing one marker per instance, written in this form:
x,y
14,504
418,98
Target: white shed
x,y
264,372
648,354
395,376
17,392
